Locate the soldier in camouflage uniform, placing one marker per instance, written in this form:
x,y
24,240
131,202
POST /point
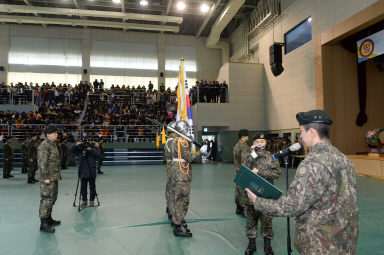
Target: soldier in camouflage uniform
x,y
168,158
64,154
48,160
24,151
238,150
260,160
32,155
181,176
8,157
323,194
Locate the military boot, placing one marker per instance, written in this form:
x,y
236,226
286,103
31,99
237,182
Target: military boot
x,y
267,246
52,222
238,209
251,246
34,180
179,230
30,180
91,203
44,227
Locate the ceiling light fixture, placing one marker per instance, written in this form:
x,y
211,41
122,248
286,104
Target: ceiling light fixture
x,y
143,2
180,6
204,8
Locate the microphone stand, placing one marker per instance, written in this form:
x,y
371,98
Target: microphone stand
x,y
289,249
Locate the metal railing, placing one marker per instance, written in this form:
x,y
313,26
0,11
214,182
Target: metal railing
x,y
16,96
20,131
209,94
131,99
110,133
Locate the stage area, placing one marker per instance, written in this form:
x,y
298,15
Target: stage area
x,y
132,220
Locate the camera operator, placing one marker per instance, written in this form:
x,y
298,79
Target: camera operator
x,y
88,153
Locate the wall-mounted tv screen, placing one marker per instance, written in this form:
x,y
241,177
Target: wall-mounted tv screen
x,y
298,35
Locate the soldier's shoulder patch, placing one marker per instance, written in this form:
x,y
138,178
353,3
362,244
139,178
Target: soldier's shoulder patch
x,y
302,171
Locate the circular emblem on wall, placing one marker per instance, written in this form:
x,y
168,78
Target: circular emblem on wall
x,y
366,48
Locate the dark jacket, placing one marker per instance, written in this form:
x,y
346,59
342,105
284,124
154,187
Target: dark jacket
x,y
87,164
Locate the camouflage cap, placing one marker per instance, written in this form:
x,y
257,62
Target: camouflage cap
x,y
50,129
314,116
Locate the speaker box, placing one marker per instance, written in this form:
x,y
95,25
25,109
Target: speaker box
x,y
1,68
276,58
277,69
161,74
85,71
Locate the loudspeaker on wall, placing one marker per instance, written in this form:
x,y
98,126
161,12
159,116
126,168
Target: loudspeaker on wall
x,y
276,58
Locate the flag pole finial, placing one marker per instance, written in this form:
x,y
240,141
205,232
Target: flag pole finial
x,y
182,59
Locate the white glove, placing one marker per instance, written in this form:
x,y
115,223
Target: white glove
x,y
254,154
203,149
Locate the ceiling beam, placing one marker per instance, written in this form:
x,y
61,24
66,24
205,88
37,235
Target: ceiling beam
x,y
211,12
89,13
87,23
34,13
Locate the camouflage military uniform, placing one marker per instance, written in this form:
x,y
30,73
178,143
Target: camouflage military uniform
x,y
58,144
181,176
32,155
168,157
48,159
269,169
239,149
64,155
323,197
8,158
24,151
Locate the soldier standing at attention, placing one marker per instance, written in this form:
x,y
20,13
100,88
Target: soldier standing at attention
x,y
102,156
48,160
168,157
262,163
323,194
64,154
24,151
8,157
32,155
238,150
181,176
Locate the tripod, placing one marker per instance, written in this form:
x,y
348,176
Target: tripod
x,y
289,248
77,188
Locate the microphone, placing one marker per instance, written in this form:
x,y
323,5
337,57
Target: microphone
x,y
282,153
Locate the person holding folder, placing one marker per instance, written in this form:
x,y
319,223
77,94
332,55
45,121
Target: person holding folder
x,y
262,163
323,194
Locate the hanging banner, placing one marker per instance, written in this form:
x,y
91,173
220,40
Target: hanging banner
x,y
371,46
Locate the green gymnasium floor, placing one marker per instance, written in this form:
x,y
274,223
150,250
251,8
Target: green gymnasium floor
x,y
132,220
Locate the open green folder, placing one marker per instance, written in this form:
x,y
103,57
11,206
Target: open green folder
x,y
246,178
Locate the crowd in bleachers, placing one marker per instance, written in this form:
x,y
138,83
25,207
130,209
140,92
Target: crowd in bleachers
x,y
118,113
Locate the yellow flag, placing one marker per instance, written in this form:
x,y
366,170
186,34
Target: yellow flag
x,y
157,140
163,136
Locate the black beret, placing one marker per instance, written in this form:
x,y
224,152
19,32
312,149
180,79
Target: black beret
x,y
50,129
259,136
243,132
314,116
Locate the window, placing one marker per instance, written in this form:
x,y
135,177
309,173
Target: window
x,y
298,35
142,56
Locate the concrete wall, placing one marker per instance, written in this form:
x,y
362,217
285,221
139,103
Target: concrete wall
x,y
246,100
208,60
294,90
